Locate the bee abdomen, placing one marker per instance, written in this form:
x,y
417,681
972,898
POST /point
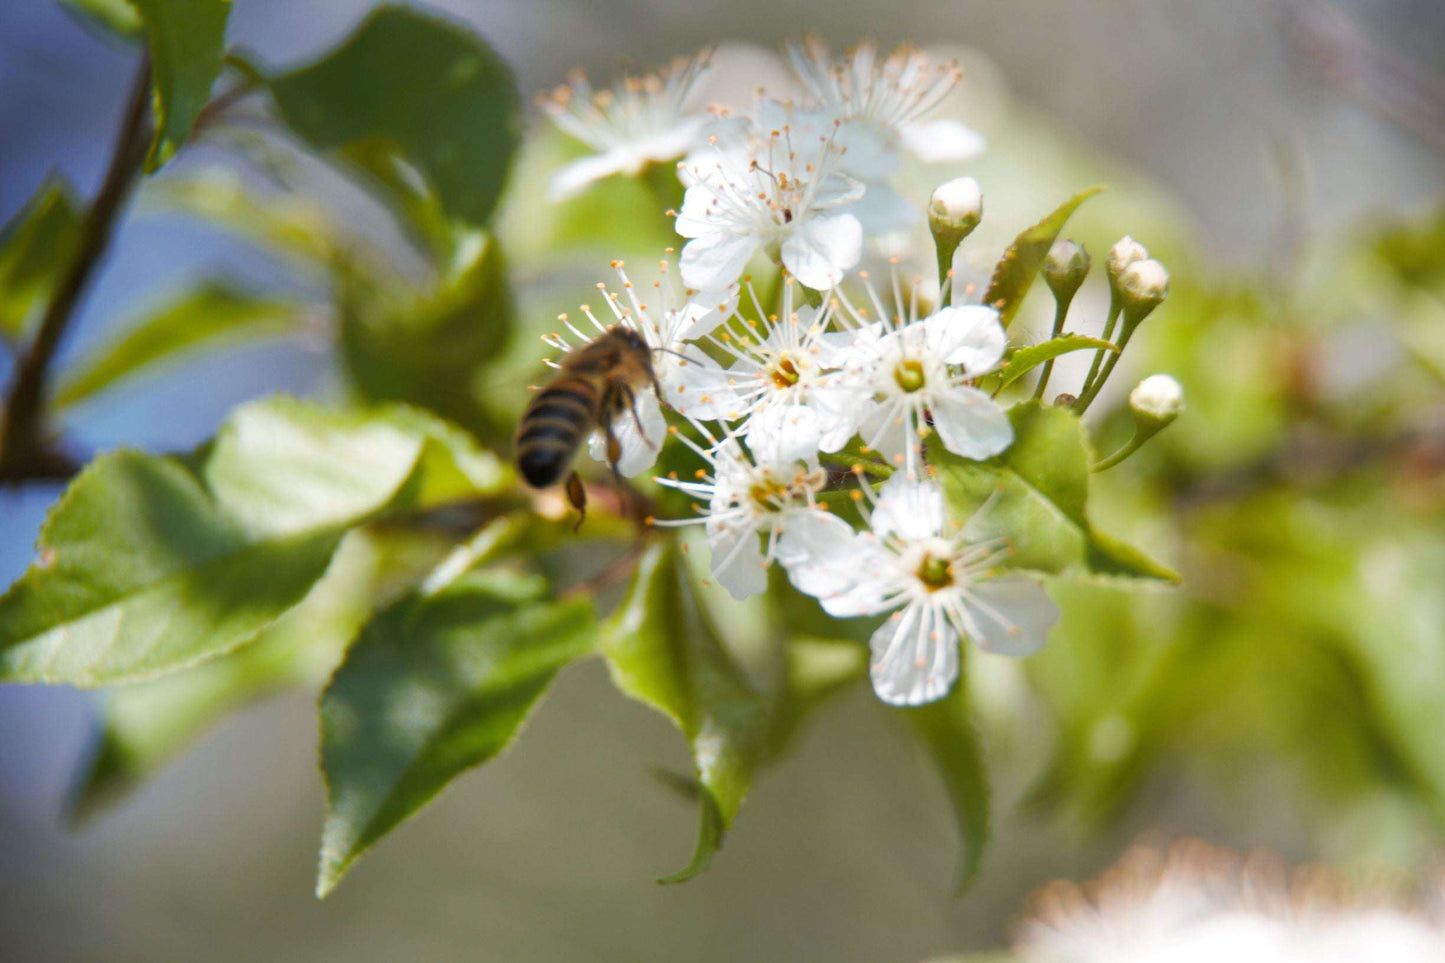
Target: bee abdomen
x,y
551,430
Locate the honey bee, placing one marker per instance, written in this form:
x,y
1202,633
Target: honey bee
x,y
594,384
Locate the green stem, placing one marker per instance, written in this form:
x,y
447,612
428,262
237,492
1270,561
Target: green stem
x,y
1115,307
857,461
1118,456
1092,391
1061,309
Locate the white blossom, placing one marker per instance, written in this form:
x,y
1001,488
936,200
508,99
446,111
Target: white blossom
x,y
781,360
768,190
910,377
940,586
640,121
1200,903
755,498
883,102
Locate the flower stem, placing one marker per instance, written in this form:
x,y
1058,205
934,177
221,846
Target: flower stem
x,y
1092,391
22,448
1061,310
1118,456
1115,307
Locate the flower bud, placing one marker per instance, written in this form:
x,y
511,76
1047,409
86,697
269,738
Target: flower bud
x,y
1156,401
1124,253
956,206
1065,268
954,211
1142,287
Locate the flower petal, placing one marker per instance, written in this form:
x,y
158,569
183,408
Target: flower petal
x,y
968,335
579,175
738,563
716,259
811,546
639,449
699,387
882,210
820,250
970,423
939,141
915,657
784,435
908,508
1010,616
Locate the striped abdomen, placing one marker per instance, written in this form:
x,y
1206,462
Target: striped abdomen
x,y
554,425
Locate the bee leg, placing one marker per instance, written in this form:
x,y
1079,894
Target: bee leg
x,y
577,495
614,455
631,398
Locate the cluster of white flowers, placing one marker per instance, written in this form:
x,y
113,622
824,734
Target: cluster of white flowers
x,y
1197,902
823,364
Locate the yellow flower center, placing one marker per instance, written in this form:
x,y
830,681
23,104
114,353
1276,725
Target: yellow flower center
x,y
935,573
784,373
909,375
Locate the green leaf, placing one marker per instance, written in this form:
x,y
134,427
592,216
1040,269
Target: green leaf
x,y
187,40
144,726
151,564
947,732
424,87
431,350
35,247
662,651
119,17
434,686
1015,272
1024,360
295,229
1035,495
214,316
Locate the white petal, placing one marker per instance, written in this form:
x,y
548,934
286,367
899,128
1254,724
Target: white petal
x,y
812,547
716,259
577,176
939,141
697,216
970,423
882,210
911,509
915,657
784,434
868,573
1011,616
836,189
881,428
820,250
738,563
839,413
968,335
867,154
699,387
639,450
703,312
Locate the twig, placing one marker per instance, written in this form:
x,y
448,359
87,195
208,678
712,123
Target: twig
x,y
22,452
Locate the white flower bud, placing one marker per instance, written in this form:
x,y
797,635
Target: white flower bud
x,y
954,211
1124,253
1156,401
1142,286
958,204
1065,268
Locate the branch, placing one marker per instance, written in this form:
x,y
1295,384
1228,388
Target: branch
x,y
22,450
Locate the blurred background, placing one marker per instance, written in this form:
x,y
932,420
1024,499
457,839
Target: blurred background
x,y
1286,159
